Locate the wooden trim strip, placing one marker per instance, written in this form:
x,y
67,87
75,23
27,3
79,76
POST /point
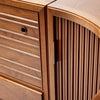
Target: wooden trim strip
x,y
95,65
22,4
32,49
17,17
81,63
75,18
91,58
86,64
98,78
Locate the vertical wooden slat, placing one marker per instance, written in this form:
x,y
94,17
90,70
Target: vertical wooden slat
x,y
51,57
64,57
95,65
83,30
60,63
58,66
76,53
81,60
70,59
71,62
75,39
86,64
78,64
77,61
57,81
98,78
66,67
91,64
57,58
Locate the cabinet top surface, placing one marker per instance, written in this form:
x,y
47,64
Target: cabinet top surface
x,y
89,9
34,5
41,2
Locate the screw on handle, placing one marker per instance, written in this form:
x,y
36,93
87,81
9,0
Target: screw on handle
x,y
24,29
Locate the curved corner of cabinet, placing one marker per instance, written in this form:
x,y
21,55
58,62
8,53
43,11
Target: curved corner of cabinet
x,y
74,56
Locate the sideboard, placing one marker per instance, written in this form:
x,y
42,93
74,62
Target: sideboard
x,y
49,50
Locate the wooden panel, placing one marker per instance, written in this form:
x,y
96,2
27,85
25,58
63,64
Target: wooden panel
x,y
98,79
20,45
20,51
58,69
86,63
10,90
20,67
81,63
91,58
20,56
76,57
18,19
19,75
15,26
19,59
95,66
77,61
70,59
17,12
20,37
64,58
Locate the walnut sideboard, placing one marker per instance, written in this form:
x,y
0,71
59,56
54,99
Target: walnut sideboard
x,y
49,50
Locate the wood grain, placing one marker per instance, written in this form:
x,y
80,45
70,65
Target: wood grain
x,y
19,75
17,26
76,18
98,79
91,58
32,49
97,96
81,63
77,61
11,89
95,66
15,55
90,12
20,37
76,57
20,67
27,14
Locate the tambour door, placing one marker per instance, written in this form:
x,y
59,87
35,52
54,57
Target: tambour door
x,y
77,61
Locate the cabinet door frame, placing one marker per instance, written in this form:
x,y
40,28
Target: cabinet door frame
x,y
43,53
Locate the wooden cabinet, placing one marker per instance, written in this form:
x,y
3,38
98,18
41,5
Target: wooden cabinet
x,y
46,52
